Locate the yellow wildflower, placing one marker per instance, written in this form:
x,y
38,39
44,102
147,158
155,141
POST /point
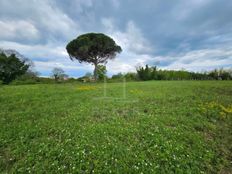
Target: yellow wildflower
x,y
86,88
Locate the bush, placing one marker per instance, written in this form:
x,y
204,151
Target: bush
x,y
11,67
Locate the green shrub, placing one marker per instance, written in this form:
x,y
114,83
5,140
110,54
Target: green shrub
x,y
11,67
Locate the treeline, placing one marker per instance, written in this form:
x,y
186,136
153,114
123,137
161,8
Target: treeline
x,y
141,74
153,73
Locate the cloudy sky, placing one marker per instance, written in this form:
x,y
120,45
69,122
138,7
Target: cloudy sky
x,y
192,34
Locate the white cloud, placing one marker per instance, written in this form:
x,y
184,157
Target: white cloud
x,y
49,65
18,30
127,62
46,57
131,39
135,47
48,51
198,60
54,20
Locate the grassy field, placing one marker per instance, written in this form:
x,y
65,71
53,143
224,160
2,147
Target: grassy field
x,y
150,127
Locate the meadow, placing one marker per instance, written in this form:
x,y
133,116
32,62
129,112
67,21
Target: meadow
x,y
137,127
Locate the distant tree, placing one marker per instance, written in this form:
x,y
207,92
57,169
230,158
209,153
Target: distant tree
x,y
94,48
58,74
11,67
145,73
154,73
224,74
214,74
140,72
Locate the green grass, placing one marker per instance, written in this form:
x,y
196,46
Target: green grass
x,y
159,127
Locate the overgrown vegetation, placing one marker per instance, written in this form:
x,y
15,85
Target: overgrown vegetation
x,y
158,127
153,73
11,67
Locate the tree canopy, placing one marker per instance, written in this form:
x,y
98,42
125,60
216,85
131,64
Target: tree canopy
x,y
94,48
11,67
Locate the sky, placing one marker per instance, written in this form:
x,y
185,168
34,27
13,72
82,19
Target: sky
x,y
195,35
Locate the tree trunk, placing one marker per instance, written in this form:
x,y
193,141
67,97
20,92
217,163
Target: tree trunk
x,y
95,72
